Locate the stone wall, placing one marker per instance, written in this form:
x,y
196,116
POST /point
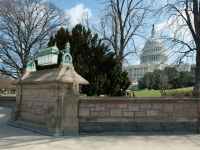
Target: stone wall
x,y
7,101
97,115
7,98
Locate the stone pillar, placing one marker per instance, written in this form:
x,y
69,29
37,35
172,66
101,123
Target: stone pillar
x,y
47,101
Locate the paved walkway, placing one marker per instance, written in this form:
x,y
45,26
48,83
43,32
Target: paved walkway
x,y
18,139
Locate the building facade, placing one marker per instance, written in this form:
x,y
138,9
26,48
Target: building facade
x,y
153,57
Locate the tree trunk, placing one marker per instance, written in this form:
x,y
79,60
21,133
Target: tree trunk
x,y
196,90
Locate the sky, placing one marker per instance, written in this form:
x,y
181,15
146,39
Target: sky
x,y
78,8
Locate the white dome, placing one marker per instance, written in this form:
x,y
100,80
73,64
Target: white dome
x,y
153,50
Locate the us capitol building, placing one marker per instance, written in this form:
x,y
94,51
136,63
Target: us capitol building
x,y
153,57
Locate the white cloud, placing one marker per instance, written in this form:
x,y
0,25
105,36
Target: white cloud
x,y
79,13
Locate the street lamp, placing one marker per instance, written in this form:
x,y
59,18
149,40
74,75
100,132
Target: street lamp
x,y
49,56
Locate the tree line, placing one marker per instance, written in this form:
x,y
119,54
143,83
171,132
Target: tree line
x,y
167,78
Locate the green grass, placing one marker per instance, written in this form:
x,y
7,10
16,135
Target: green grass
x,y
156,93
147,93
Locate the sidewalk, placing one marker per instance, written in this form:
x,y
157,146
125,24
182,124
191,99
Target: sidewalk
x,y
17,139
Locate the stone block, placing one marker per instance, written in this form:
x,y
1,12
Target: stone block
x,y
145,106
151,113
172,114
37,104
157,129
154,124
105,124
135,129
25,102
93,124
83,124
84,112
186,124
71,110
110,105
23,107
37,110
183,113
192,129
28,109
110,129
168,129
123,129
193,113
45,105
43,112
90,105
32,111
146,129
157,106
133,107
141,124
130,124
168,107
193,105
175,124
164,124
178,107
115,112
118,124
128,114
125,109
86,129
121,105
140,114
30,103
104,114
186,105
98,129
82,105
95,114
194,123
100,107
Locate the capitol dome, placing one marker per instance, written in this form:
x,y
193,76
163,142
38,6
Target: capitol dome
x,y
153,57
153,51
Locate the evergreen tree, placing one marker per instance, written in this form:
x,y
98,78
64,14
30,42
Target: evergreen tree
x,y
147,81
93,60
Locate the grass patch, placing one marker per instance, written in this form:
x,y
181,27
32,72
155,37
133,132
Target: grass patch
x,y
147,93
156,93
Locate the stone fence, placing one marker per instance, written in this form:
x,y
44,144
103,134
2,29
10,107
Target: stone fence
x,y
7,98
117,115
121,115
8,101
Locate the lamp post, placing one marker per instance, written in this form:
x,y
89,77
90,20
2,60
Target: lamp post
x,y
49,56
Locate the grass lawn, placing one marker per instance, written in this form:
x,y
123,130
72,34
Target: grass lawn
x,y
156,93
147,93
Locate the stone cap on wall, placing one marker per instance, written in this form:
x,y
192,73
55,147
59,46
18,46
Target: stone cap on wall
x,y
137,99
63,74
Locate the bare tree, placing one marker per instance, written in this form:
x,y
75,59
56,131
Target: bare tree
x,y
122,20
183,25
5,83
24,28
162,80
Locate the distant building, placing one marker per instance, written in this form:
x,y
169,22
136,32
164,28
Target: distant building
x,y
153,57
